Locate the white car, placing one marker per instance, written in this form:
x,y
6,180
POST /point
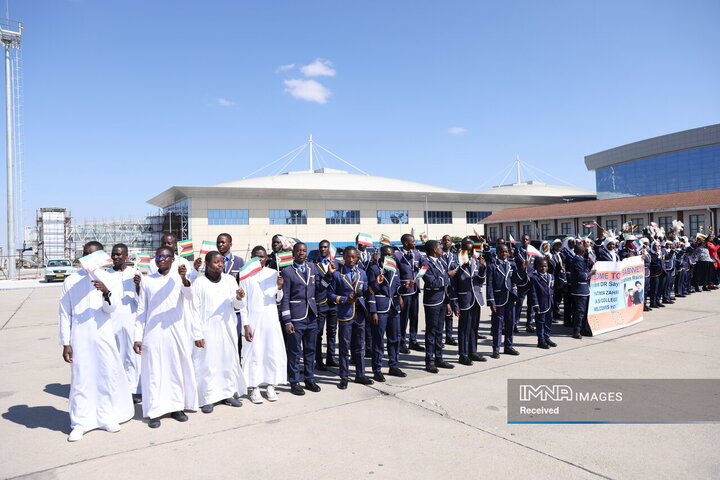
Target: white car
x,y
58,269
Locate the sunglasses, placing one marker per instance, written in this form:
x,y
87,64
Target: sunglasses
x,y
162,257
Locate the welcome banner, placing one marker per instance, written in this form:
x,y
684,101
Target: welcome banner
x,y
617,295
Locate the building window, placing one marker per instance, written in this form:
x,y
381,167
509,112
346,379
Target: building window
x,y
565,228
342,217
666,223
611,225
509,232
544,230
288,217
392,216
640,222
218,216
438,216
527,230
492,233
696,221
476,217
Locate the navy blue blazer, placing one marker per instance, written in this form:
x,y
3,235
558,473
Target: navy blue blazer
x,y
450,260
467,284
385,294
579,276
342,285
521,256
502,278
541,291
668,263
299,293
234,266
436,283
656,262
364,260
408,269
321,289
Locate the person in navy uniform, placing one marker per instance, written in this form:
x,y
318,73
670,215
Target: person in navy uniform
x,y
327,310
349,290
299,315
566,254
501,291
580,274
522,257
437,298
542,288
557,268
668,265
467,286
364,257
232,266
384,286
656,274
408,260
276,247
449,259
606,247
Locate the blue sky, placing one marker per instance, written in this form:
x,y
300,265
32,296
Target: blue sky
x,y
125,99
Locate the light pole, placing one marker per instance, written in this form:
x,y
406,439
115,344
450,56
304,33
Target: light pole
x,y
427,215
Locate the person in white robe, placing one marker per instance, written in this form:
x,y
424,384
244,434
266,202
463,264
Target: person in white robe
x,y
123,317
167,375
264,358
193,269
214,329
99,393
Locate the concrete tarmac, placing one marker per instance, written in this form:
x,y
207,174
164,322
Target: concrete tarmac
x,y
449,425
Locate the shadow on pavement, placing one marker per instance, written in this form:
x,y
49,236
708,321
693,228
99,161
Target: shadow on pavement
x,y
58,389
39,417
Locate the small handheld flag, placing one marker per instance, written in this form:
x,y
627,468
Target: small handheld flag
x,y
287,242
511,239
476,234
333,251
95,260
463,257
143,259
533,252
384,239
185,248
390,264
207,247
252,267
637,244
478,246
589,224
284,259
423,237
364,239
422,272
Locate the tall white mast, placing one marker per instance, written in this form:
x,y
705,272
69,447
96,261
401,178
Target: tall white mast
x,y
517,166
311,153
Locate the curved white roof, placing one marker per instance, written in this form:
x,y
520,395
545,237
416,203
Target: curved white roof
x,y
328,179
537,189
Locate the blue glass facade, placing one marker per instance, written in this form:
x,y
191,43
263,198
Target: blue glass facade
x,y
694,169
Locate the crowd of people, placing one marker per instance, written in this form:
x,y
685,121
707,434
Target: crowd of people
x,y
192,335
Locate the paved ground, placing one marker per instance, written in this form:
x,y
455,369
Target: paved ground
x,y
450,425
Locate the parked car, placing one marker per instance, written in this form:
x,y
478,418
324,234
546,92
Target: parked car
x,y
58,269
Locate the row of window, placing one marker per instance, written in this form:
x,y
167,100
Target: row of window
x,y
566,228
336,217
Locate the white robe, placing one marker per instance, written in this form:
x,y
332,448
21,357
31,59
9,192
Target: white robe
x,y
123,318
217,366
264,359
99,393
167,374
191,275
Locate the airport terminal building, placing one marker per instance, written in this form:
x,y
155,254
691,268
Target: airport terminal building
x,y
336,205
677,162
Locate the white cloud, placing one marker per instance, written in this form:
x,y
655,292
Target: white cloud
x,y
309,90
285,68
224,102
457,131
318,68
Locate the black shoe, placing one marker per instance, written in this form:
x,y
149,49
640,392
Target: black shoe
x,y
476,357
320,366
543,345
404,349
232,402
368,353
137,398
465,360
343,384
417,347
510,351
586,333
179,416
379,377
659,305
445,364
680,296
364,380
331,363
207,408
495,354
577,335
296,389
431,369
551,343
516,330
646,308
529,329
312,386
396,372
451,341
154,422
